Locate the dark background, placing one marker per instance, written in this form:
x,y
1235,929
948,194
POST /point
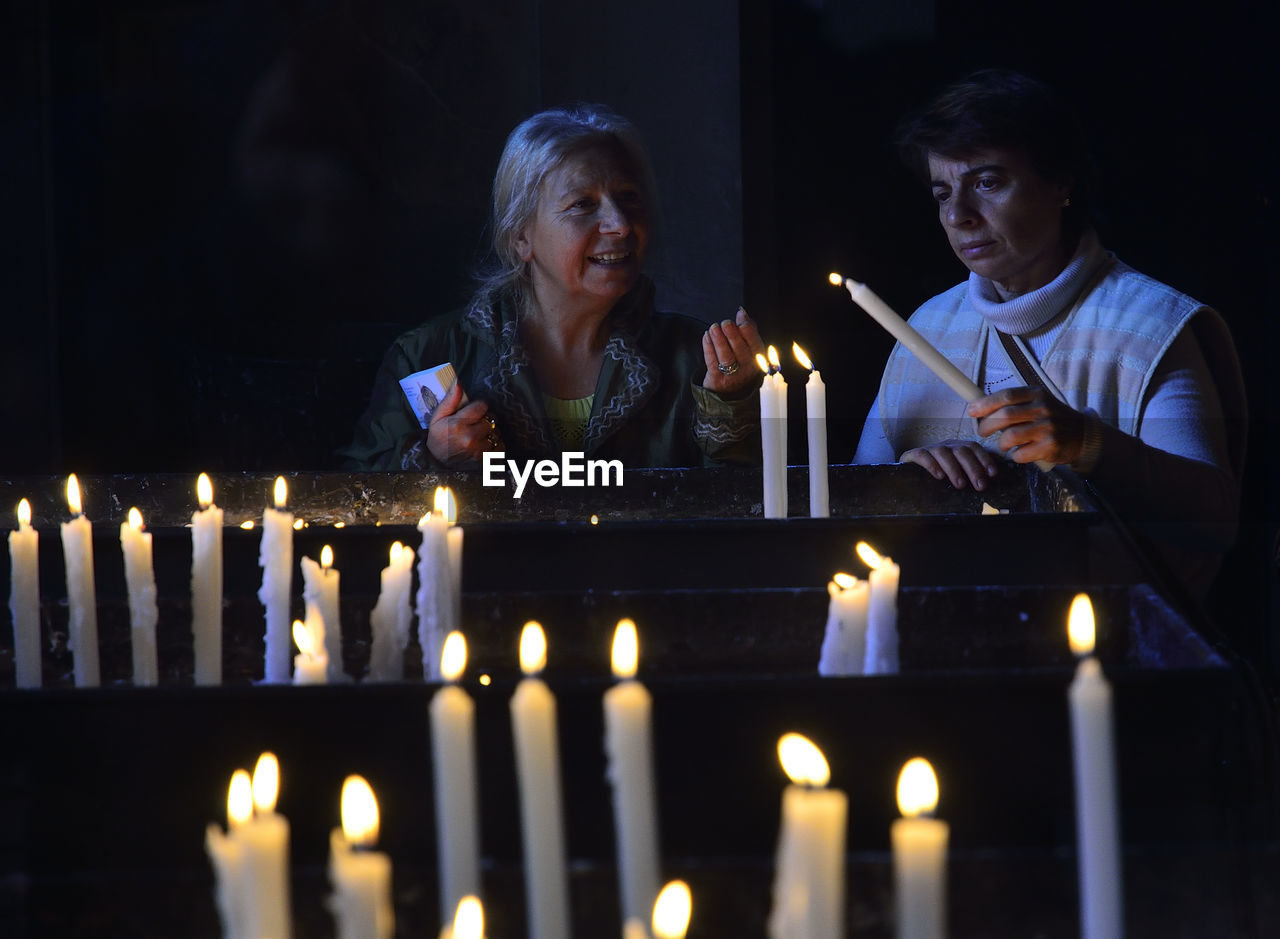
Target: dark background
x,y
214,216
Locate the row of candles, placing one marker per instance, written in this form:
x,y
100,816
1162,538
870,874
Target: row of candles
x,y
318,637
809,878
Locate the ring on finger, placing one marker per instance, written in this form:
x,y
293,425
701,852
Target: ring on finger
x,y
727,368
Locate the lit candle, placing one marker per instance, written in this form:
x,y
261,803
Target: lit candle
x,y
533,723
435,584
320,590
672,911
266,850
919,855
808,886
311,664
1093,751
206,585
392,617
276,560
360,876
906,334
468,921
227,854
815,398
140,580
628,743
453,757
882,612
82,602
24,598
844,644
773,434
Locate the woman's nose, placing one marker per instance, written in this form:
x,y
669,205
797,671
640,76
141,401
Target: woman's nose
x,y
958,211
613,218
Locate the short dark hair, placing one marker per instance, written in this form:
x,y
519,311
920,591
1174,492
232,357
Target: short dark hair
x,y
1003,109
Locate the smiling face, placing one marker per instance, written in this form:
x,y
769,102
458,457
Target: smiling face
x,y
1003,219
586,242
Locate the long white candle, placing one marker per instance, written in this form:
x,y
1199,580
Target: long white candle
x,y
453,758
906,334
435,585
227,855
533,724
628,743
140,580
808,886
320,588
24,598
82,599
1093,752
919,855
844,643
392,617
206,585
815,398
266,845
882,612
276,560
773,435
361,879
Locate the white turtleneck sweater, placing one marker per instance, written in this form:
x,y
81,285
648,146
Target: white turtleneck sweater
x,y
1181,453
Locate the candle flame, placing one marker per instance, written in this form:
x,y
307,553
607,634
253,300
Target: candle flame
x,y
533,648
869,555
303,639
835,279
672,910
844,581
281,492
326,558
24,512
135,519
359,811
763,363
396,548
917,788
73,494
486,680
239,799
595,520
773,357
266,783
1081,632
626,649
247,525
468,921
804,360
204,491
298,524
453,657
446,505
802,761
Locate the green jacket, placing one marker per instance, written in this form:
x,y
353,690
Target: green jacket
x,y
649,409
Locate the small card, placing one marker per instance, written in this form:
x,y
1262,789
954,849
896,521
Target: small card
x,y
426,389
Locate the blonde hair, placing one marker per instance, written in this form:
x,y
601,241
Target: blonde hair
x,y
537,146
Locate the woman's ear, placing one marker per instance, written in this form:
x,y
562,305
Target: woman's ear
x,y
523,247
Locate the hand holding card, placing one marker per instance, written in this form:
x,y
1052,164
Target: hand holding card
x,y
427,388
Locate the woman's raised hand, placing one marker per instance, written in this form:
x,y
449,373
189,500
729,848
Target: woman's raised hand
x,y
729,349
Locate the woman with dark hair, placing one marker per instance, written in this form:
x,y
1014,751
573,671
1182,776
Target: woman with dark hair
x,y
561,348
1084,361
